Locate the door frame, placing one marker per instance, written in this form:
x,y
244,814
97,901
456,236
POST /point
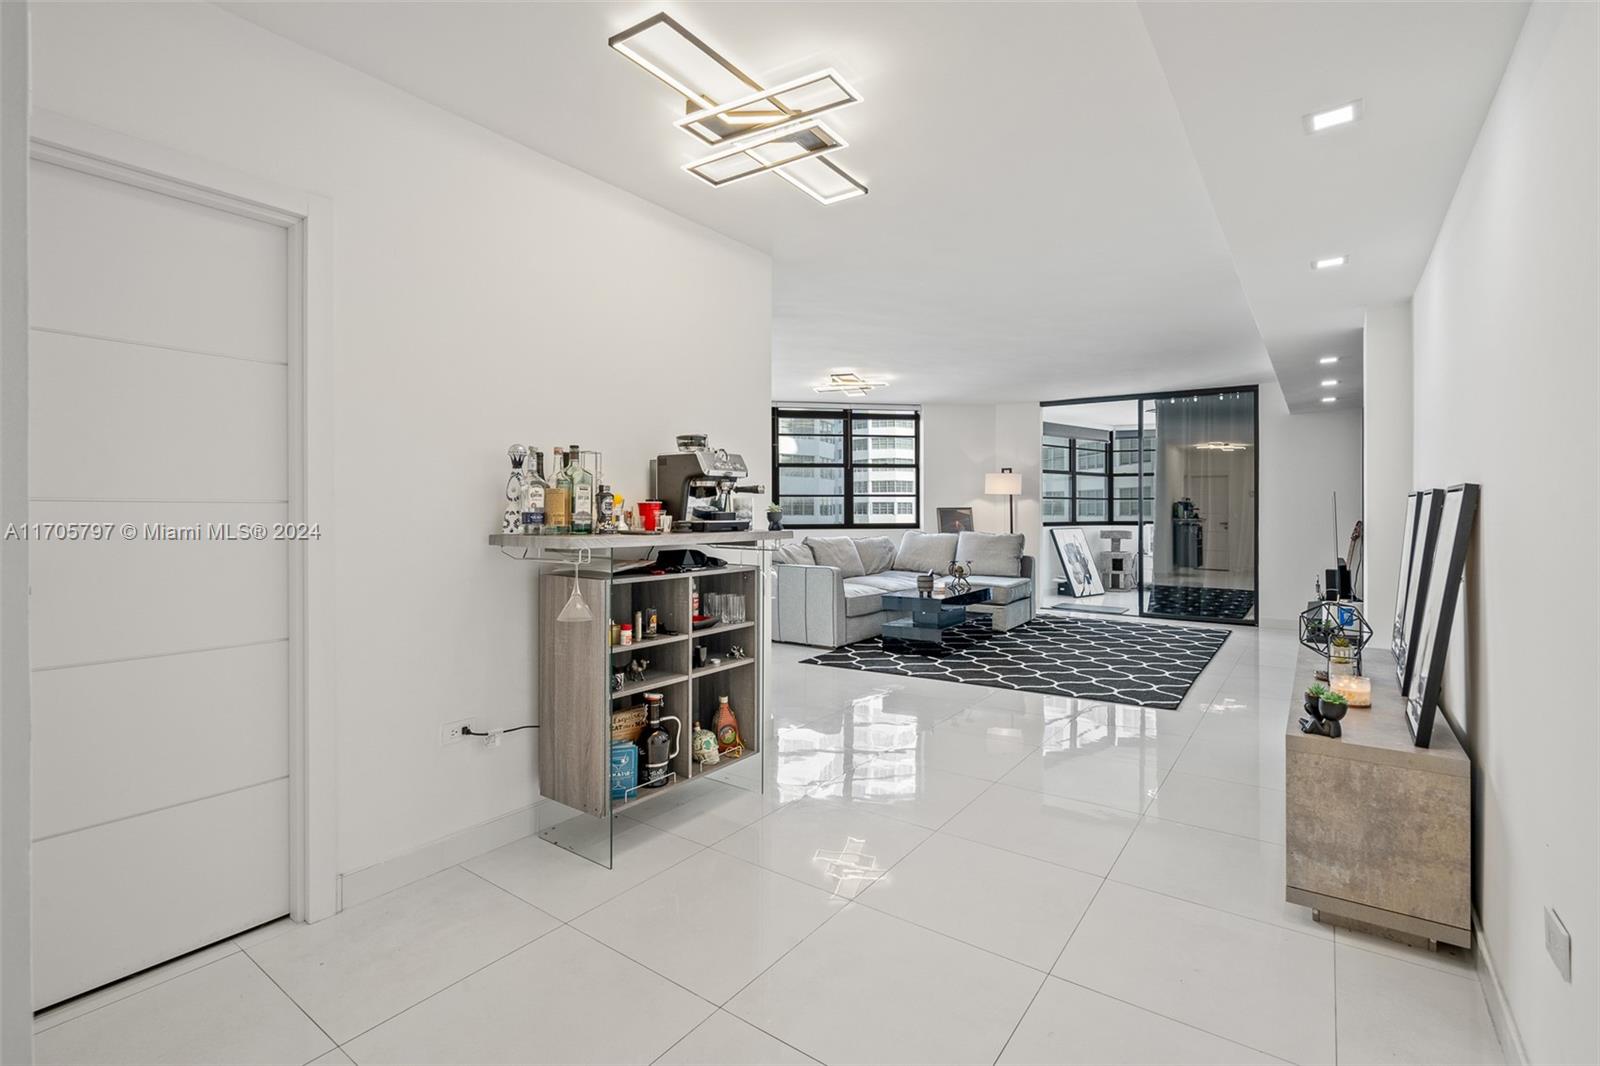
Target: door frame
x,y
308,222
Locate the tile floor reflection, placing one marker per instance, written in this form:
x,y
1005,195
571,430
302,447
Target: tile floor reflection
x,y
933,873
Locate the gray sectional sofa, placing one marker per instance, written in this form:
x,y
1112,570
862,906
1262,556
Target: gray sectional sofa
x,y
830,589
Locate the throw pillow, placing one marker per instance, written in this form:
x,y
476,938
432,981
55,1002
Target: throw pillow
x,y
921,552
795,553
991,554
877,553
839,552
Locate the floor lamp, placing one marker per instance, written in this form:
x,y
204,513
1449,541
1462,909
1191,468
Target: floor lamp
x,y
1007,484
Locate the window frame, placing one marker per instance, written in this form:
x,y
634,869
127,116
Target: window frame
x,y
1103,475
849,466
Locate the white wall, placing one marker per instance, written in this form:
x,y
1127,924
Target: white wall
x,y
1304,460
957,451
1386,457
1505,390
16,986
484,294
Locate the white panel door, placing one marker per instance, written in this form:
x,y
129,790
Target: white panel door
x,y
158,397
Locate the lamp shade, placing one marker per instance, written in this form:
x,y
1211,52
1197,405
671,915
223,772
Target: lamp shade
x,y
1002,484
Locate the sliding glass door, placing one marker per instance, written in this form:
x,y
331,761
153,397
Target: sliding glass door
x,y
1159,491
1201,483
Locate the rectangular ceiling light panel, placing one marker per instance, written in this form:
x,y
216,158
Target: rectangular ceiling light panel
x,y
822,179
781,146
685,62
802,98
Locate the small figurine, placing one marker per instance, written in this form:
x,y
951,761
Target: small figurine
x,y
958,578
736,652
636,670
618,680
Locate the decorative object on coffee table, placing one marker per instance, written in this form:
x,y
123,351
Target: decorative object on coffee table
x,y
959,573
1072,550
925,583
956,520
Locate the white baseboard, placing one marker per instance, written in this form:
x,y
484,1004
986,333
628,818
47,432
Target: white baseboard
x,y
372,881
1505,1023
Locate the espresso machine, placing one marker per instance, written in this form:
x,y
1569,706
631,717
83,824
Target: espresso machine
x,y
696,485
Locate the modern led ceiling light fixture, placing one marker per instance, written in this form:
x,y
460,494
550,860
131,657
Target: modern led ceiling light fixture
x,y
761,130
662,46
849,383
805,97
822,179
776,148
1329,262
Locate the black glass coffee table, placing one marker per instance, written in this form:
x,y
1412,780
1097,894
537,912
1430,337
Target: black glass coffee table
x,y
930,615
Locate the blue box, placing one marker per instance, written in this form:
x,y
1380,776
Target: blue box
x,y
624,768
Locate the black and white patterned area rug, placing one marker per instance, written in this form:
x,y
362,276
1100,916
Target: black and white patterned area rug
x,y
1201,602
1119,662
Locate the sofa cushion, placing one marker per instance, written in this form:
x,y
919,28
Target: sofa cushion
x,y
1005,589
888,581
794,552
921,552
861,600
837,552
877,553
991,554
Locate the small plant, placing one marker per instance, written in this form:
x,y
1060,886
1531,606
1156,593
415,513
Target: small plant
x,y
1333,699
773,508
1319,691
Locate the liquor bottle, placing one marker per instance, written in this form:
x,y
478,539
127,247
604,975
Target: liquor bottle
x,y
511,518
658,745
558,497
726,727
582,493
533,493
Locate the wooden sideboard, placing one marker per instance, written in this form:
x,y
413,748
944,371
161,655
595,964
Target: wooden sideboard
x,y
1379,831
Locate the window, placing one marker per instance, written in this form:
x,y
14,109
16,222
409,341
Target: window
x,y
846,468
1073,479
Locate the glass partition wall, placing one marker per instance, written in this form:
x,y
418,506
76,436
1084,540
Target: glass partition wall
x,y
1178,473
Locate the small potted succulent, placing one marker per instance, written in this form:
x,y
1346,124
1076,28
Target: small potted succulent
x,y
1313,697
774,516
1330,708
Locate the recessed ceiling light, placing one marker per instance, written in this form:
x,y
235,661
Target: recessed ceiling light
x,y
1329,383
1329,399
1342,115
1328,360
1329,262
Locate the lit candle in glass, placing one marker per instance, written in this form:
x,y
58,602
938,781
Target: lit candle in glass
x,y
1356,690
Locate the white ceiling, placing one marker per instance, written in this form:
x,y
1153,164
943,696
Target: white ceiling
x,y
1039,226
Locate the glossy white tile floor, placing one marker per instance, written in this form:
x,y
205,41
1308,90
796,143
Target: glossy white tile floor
x,y
935,873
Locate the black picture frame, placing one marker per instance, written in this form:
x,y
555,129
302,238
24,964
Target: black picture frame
x,y
956,520
1077,561
1416,564
1439,608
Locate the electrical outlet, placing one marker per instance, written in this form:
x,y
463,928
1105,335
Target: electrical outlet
x,y
1558,942
451,732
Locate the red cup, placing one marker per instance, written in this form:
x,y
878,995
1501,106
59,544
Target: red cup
x,y
649,511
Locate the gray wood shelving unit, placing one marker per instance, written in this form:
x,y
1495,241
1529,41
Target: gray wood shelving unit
x,y
575,663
